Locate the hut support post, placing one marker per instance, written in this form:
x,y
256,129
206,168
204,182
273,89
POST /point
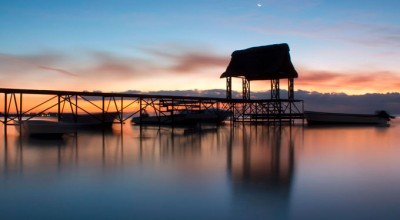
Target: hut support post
x,y
291,89
246,89
276,102
246,96
275,89
229,87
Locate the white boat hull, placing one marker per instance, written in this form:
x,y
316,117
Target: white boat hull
x,y
158,120
185,118
89,119
46,128
342,118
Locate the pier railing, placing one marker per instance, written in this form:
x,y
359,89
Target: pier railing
x,y
26,104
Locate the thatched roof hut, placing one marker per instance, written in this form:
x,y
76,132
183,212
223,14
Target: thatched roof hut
x,y
261,63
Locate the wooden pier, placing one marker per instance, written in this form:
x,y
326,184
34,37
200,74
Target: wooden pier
x,y
26,104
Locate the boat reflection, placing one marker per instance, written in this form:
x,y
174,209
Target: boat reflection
x,y
25,154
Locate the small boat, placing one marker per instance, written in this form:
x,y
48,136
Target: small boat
x,y
212,116
379,118
46,128
184,117
92,119
159,120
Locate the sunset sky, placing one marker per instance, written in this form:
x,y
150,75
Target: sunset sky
x,y
119,45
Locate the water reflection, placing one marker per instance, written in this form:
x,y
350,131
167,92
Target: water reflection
x,y
261,170
27,154
185,168
240,172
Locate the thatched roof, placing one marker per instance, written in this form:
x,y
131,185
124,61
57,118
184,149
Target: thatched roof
x,y
261,63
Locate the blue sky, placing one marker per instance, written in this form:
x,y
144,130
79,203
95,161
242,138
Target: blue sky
x,y
336,46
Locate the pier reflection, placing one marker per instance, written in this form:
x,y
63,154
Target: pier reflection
x,y
255,155
129,146
261,169
259,161
239,172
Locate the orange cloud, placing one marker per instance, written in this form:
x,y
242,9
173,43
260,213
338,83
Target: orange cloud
x,y
353,82
112,72
188,62
314,77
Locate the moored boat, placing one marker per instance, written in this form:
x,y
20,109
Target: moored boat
x,y
46,128
92,119
212,116
185,117
159,120
379,118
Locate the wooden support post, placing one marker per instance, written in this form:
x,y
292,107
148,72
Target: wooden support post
x,y
229,87
140,111
16,106
172,113
102,108
5,114
290,97
122,111
291,89
58,108
20,108
76,108
275,90
276,101
245,89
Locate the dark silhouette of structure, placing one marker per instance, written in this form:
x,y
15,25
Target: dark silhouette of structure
x,y
271,62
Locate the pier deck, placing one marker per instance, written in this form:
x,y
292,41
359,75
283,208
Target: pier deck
x,y
26,104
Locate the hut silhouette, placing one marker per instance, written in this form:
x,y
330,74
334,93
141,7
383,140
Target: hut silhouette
x,y
271,62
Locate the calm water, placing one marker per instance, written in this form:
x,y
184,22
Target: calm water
x,y
249,172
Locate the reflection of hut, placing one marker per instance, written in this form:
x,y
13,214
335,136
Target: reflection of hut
x,y
270,62
263,162
261,170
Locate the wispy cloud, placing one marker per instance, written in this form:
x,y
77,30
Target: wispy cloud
x,y
160,63
187,63
57,70
21,64
105,68
106,65
184,59
322,80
